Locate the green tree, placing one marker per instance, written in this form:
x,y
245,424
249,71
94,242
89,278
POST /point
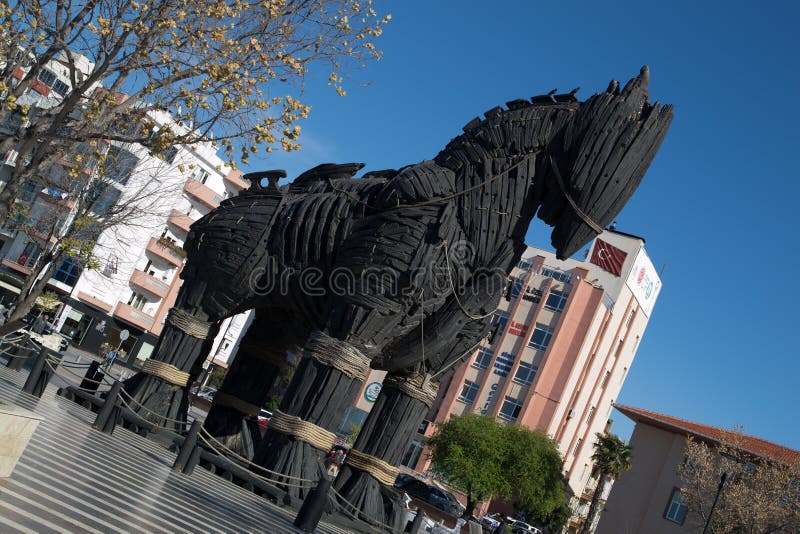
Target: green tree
x,y
611,457
469,452
534,466
486,460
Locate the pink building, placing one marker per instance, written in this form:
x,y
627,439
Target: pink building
x,y
647,498
564,340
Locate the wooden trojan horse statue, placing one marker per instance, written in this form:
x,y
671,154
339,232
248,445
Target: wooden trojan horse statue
x,y
398,270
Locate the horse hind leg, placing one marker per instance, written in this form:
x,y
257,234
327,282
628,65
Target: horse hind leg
x,y
260,360
326,382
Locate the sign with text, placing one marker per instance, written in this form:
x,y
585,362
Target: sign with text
x,y
644,282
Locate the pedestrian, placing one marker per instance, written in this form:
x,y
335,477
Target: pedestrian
x,y
110,356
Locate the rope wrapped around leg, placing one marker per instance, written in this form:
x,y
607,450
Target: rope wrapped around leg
x,y
186,323
415,385
166,372
293,426
381,471
338,354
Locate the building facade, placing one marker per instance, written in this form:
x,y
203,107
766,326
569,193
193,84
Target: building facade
x,y
563,340
140,259
648,498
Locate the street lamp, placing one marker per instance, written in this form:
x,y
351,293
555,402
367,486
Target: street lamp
x,y
722,480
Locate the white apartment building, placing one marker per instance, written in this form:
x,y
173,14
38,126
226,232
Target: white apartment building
x,y
141,259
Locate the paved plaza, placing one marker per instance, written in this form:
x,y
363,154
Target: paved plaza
x,y
73,478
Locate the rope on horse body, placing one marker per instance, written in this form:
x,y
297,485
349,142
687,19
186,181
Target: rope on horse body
x,y
230,401
188,324
293,426
166,371
338,354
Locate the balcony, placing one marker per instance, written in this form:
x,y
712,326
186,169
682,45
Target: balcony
x,y
234,179
132,316
165,251
180,221
149,284
202,193
94,302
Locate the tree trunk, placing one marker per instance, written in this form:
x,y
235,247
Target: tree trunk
x,y
593,507
390,425
34,286
318,394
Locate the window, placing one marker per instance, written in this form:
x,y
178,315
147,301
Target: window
x,y
676,510
68,272
498,325
524,265
169,155
412,454
556,300
630,318
111,265
525,373
468,392
60,88
516,286
482,359
541,337
589,418
201,175
137,301
510,409
577,447
46,77
605,379
555,274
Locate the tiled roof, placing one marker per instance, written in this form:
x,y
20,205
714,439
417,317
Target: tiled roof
x,y
754,445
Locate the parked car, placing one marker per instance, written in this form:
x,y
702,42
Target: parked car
x,y
207,393
445,501
491,521
263,418
437,497
520,527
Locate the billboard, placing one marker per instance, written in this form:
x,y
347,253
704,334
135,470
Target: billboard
x,y
644,282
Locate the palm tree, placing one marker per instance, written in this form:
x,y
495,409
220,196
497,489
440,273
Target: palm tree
x,y
611,457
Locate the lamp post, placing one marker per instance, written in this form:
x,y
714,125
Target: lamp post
x,y
722,480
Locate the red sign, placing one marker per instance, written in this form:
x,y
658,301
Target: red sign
x,y
517,329
608,257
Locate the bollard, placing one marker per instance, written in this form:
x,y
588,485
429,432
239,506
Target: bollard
x,y
38,377
314,504
104,414
189,443
91,380
416,525
194,459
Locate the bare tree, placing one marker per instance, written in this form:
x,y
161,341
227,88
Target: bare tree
x,y
220,68
125,193
759,495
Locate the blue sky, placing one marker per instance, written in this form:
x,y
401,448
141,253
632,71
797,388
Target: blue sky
x,y
719,207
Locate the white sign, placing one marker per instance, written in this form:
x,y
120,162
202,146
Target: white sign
x,y
124,335
644,282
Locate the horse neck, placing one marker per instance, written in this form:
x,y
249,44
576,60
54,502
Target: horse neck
x,y
495,162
